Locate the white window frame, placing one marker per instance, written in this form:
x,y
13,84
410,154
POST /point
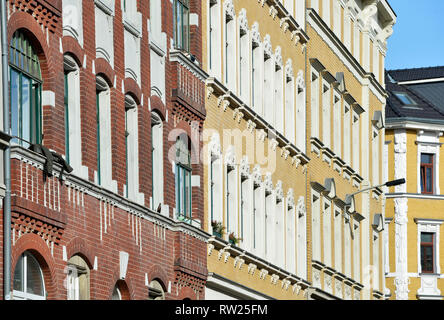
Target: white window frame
x,y
347,245
337,124
231,199
20,295
428,142
268,92
132,159
357,251
279,98
214,39
244,65
376,152
326,12
326,113
338,223
347,132
270,223
356,134
316,225
429,226
315,114
230,50
301,219
291,252
301,111
247,228
290,107
327,230
279,233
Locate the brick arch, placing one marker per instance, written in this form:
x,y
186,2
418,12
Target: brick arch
x,y
129,292
23,21
104,68
37,246
78,246
158,106
133,89
187,293
157,272
72,47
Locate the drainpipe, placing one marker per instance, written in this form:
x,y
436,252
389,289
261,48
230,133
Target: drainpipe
x,y
7,159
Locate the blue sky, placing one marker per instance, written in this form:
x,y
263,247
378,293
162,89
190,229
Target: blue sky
x,y
418,39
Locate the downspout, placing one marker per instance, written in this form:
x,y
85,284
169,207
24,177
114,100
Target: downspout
x,y
7,159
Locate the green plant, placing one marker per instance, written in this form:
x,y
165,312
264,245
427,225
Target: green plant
x,y
233,239
218,228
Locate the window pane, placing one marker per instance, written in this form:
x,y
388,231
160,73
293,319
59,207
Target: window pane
x,y
26,110
429,178
18,276
15,100
188,193
427,258
427,158
34,277
427,237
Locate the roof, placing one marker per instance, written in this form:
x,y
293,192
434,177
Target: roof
x,y
428,97
402,75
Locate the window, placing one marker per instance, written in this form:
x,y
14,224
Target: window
x,y
427,252
338,238
356,251
78,281
269,68
214,42
25,88
427,173
28,279
256,85
301,216
405,98
231,200
216,193
375,155
357,42
257,218
156,291
326,114
337,146
132,148
300,13
347,245
301,114
290,237
289,107
316,229
230,51
278,99
314,104
157,158
326,12
181,24
347,133
269,217
327,232
183,178
356,140
104,166
244,65
73,142
246,214
116,294
279,235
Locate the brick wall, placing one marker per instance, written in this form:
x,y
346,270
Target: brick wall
x,y
57,220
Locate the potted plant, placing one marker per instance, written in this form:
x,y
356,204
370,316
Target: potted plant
x,y
218,229
233,239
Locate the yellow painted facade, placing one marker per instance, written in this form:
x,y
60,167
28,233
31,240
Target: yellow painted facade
x,y
296,246
410,212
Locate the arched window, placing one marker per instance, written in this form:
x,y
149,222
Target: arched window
x,y
183,178
78,280
157,156
25,88
73,142
116,294
28,279
156,291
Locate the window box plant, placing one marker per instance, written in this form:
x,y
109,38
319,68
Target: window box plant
x,y
218,229
233,239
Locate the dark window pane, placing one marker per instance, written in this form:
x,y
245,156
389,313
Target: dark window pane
x,y
15,100
427,158
427,237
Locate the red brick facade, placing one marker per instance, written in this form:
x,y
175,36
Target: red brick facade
x,y
56,220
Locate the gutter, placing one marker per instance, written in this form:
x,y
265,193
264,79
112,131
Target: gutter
x,y
7,160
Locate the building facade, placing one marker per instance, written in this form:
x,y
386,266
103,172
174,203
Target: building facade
x,y
414,138
295,116
107,104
